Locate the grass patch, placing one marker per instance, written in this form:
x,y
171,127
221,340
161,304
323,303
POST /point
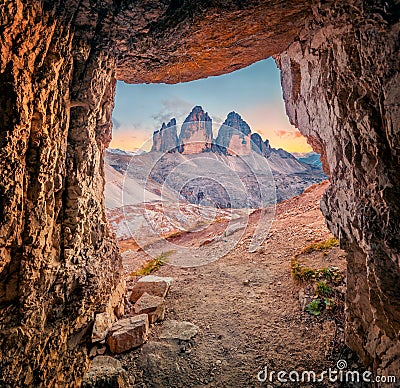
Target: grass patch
x,y
323,289
152,265
306,274
321,246
302,274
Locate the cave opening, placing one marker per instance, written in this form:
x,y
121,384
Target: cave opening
x,y
149,120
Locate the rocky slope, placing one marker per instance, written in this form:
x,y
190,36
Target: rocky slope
x,y
216,179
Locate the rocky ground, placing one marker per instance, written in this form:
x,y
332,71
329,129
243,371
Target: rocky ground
x,y
247,310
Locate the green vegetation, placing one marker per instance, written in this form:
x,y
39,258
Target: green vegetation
x,y
152,265
317,306
321,246
314,307
302,274
323,289
324,281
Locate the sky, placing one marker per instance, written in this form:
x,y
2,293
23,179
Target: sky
x,y
254,92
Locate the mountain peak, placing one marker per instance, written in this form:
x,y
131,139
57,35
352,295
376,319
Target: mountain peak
x,y
166,139
197,114
196,133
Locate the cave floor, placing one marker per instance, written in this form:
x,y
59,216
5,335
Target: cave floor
x,y
249,311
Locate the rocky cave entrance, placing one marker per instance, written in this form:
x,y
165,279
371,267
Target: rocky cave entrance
x,y
339,67
139,111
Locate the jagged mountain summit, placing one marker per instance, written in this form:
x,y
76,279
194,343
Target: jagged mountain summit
x,y
196,134
166,138
234,138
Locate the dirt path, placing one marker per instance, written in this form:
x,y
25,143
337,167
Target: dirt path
x,y
248,311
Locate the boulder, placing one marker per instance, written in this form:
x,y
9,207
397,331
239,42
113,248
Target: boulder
x,y
106,372
128,333
153,285
153,306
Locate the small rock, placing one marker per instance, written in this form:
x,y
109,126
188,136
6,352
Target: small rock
x,y
153,285
153,306
101,351
181,330
128,333
105,372
102,324
246,282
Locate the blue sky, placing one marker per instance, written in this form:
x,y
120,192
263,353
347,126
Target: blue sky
x,y
254,92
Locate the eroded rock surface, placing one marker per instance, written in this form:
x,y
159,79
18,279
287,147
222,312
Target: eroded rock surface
x,y
342,87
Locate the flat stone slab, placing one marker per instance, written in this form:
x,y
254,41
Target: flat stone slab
x,y
181,330
128,333
106,371
153,285
153,306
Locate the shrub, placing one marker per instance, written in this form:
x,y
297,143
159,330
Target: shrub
x,y
152,265
321,246
323,289
314,307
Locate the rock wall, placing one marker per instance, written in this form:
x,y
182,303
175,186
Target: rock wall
x,y
341,86
58,259
58,65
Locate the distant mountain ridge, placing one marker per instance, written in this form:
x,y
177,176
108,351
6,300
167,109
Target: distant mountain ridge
x,y
194,166
311,158
196,136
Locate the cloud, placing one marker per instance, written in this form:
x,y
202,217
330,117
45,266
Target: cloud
x,y
284,133
217,119
116,124
173,106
